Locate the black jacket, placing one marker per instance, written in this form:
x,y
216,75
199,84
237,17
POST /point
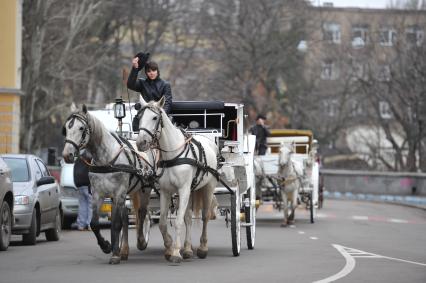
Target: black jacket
x,y
81,173
151,89
261,133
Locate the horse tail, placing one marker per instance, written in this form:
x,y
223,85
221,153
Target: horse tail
x,y
198,204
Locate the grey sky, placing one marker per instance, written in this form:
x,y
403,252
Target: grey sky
x,y
354,3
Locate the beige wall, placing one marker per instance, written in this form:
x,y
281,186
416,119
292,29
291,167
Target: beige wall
x,y
10,74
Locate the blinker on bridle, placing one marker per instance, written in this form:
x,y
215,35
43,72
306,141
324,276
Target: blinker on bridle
x,y
156,135
86,130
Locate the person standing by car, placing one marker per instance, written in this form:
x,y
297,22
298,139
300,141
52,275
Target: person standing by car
x,y
261,133
152,87
81,180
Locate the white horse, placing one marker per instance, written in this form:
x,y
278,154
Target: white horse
x,y
179,157
290,173
82,130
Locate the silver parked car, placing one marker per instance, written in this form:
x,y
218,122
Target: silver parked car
x,y
69,196
37,206
6,205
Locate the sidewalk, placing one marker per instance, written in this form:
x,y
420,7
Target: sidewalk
x,y
414,201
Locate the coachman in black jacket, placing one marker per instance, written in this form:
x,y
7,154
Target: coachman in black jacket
x,y
152,87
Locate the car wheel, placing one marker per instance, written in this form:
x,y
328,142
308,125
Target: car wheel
x,y
5,226
54,233
31,237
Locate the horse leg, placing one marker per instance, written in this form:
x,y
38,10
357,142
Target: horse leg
x,y
293,206
207,202
284,207
184,193
124,248
118,209
94,223
142,211
164,209
187,247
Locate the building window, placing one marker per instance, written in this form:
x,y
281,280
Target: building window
x,y
384,74
331,32
414,36
384,110
358,70
359,36
329,70
355,108
331,107
387,36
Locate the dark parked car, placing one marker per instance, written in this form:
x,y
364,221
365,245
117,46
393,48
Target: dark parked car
x,y
6,205
37,206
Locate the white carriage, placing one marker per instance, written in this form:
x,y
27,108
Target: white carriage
x,y
305,155
223,123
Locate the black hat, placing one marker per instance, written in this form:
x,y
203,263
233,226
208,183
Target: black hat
x,y
260,116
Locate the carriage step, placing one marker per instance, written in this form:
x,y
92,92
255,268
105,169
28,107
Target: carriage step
x,y
246,224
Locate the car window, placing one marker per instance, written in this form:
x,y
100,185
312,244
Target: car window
x,y
19,168
43,168
3,165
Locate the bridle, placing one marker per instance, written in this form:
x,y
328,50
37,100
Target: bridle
x,y
155,136
86,131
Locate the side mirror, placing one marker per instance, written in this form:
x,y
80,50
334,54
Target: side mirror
x,y
45,180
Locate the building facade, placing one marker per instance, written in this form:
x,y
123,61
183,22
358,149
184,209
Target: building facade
x,y
362,65
10,74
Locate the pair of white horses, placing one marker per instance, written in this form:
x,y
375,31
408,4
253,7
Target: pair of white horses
x,y
161,142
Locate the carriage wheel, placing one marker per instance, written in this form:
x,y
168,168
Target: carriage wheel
x,y
147,227
250,213
235,223
311,206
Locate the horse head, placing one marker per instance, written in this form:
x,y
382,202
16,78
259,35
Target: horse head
x,y
286,149
76,131
150,124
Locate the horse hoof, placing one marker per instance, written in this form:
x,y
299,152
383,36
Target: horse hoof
x,y
142,245
106,247
187,254
124,257
290,222
283,225
167,256
175,259
114,260
201,253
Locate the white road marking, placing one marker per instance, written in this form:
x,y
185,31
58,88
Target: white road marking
x,y
313,238
356,217
301,232
394,220
350,254
349,266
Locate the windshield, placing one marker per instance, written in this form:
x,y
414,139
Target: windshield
x,y
19,169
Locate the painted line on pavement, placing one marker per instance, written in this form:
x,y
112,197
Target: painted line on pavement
x,y
357,217
313,238
349,266
350,254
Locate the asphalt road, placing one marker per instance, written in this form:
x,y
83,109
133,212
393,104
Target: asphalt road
x,y
350,242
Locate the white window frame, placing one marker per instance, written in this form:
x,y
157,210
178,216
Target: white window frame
x,y
356,108
384,110
329,70
331,106
362,40
387,36
418,33
384,73
331,32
